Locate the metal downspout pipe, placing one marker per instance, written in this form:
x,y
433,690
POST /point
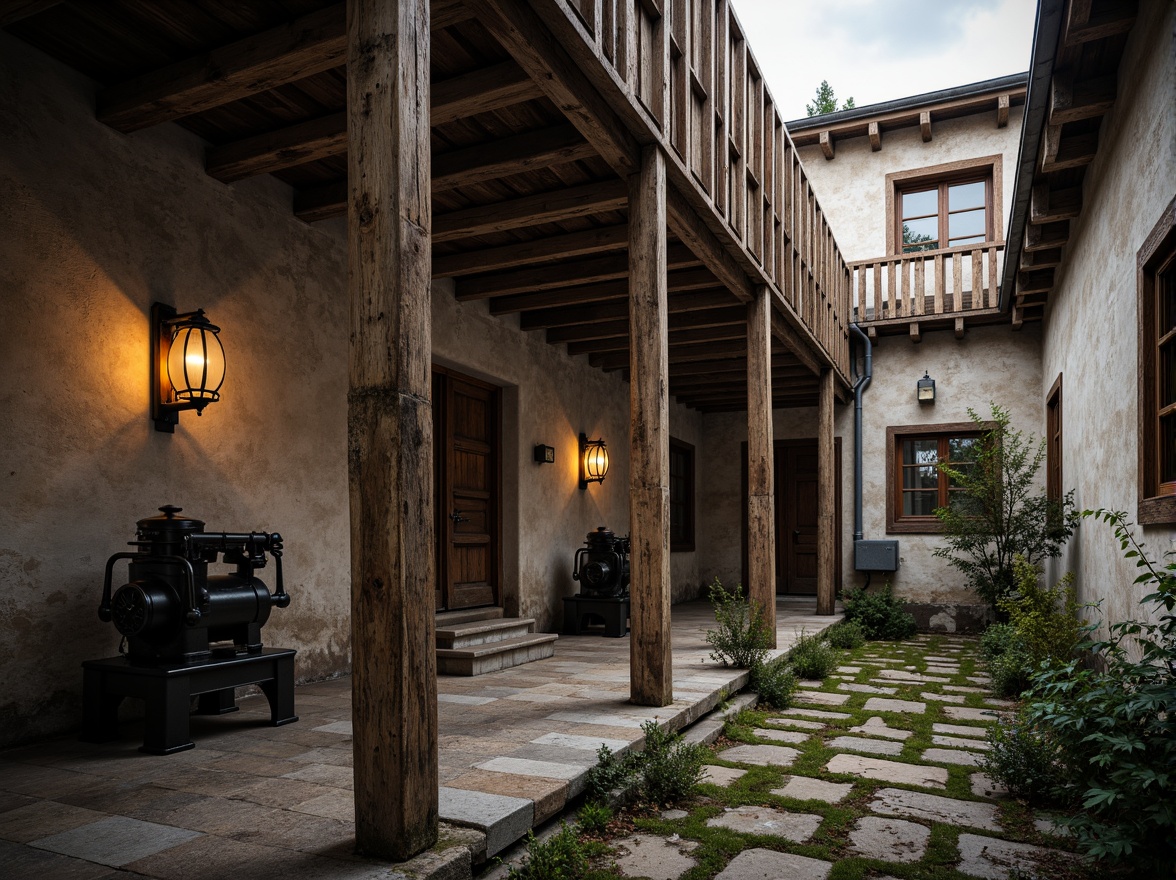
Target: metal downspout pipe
x,y
860,384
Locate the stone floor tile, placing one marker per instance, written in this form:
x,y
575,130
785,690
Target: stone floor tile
x,y
939,657
805,788
984,785
766,864
527,767
818,713
959,742
866,688
784,736
876,726
903,675
672,815
851,670
979,679
583,743
943,698
1003,704
337,804
891,840
934,808
882,704
966,713
953,756
888,771
857,744
27,862
961,730
939,669
43,818
796,722
821,698
811,683
548,795
656,858
763,756
502,819
797,827
964,689
341,727
115,840
993,859
714,774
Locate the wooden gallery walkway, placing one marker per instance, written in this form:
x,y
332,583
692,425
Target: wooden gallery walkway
x,y
515,746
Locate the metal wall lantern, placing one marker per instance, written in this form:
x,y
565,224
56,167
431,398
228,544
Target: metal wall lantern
x,y
926,389
593,461
187,364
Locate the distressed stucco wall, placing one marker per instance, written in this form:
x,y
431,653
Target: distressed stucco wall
x,y
1091,323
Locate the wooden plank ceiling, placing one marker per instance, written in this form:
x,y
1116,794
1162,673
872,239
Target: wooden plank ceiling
x,y
525,214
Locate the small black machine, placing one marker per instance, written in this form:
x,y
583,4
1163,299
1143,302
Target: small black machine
x,y
602,569
172,609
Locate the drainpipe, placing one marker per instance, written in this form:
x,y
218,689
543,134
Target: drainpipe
x,y
860,384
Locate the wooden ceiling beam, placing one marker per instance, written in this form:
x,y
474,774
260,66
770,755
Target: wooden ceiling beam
x,y
1035,281
1049,205
573,244
794,343
617,360
1044,259
598,197
620,326
687,337
491,88
1072,99
1081,26
12,11
598,312
685,222
1060,153
1046,235
577,295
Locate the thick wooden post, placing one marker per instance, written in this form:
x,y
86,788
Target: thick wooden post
x,y
826,498
390,428
761,508
651,679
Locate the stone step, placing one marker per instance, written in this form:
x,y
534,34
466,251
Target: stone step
x,y
466,615
493,656
483,632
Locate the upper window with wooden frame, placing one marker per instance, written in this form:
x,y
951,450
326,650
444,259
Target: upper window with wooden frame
x,y
943,206
917,484
1156,263
1053,442
681,496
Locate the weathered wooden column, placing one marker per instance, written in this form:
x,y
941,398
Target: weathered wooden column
x,y
761,507
650,676
826,498
390,428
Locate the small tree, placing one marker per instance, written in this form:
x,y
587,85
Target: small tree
x,y
825,101
999,511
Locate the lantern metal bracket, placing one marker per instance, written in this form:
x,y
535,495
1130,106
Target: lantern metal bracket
x,y
585,445
165,412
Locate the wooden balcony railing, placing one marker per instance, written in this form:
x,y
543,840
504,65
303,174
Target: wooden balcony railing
x,y
685,67
928,286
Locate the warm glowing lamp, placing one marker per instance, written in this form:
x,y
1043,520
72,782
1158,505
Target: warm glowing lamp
x,y
187,365
593,461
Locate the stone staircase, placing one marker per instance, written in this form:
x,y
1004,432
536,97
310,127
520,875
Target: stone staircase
x,y
480,640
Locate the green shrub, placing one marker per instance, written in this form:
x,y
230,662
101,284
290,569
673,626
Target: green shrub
x,y
1012,670
669,767
996,640
775,683
1025,758
880,615
610,773
811,657
594,817
561,857
1045,618
742,638
846,635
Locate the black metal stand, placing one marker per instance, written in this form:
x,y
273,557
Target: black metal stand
x,y
614,613
168,690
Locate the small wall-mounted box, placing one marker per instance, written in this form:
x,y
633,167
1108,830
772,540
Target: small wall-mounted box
x,y
544,454
875,555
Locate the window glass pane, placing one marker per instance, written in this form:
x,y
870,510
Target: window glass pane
x,y
925,231
1168,373
921,451
922,503
961,448
920,477
965,195
1166,291
974,239
920,204
1168,449
966,224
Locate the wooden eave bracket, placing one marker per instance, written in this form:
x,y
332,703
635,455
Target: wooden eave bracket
x,y
1002,111
1073,100
1048,205
875,134
925,126
826,141
1083,27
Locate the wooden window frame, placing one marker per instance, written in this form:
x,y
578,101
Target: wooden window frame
x,y
1157,501
987,168
896,523
684,543
1054,428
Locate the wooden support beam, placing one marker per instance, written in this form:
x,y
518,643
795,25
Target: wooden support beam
x,y
684,221
587,200
650,670
730,316
826,142
730,348
761,515
12,11
611,310
1083,27
541,250
1035,281
1002,111
1072,100
826,498
925,126
390,431
576,295
1046,259
794,343
1044,236
1060,153
875,134
959,328
1048,205
1018,317
492,88
916,333
508,156
690,337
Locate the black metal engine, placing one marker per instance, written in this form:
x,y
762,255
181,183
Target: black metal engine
x,y
172,610
602,565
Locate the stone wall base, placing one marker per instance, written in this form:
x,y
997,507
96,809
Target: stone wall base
x,y
933,617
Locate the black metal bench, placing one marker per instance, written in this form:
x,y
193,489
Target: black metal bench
x,y
614,613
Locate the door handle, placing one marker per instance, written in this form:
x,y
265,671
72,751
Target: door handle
x,y
458,518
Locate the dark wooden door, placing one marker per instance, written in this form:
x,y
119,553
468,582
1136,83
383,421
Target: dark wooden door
x,y
467,477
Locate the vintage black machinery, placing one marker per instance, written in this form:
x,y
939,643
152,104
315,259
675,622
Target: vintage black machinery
x,y
172,610
602,565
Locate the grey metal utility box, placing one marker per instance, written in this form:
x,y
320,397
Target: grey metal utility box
x,y
875,555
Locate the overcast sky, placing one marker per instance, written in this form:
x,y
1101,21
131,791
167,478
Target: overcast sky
x,y
878,50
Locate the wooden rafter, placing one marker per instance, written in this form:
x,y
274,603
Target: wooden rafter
x,y
681,280
614,309
540,250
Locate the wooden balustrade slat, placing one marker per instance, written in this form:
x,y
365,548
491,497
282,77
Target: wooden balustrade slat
x,y
920,291
992,278
977,281
957,278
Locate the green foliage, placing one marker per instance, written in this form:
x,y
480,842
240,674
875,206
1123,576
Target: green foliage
x,y
1113,722
1025,758
561,857
826,102
742,637
1010,671
999,512
594,817
997,640
880,614
669,767
774,682
811,657
846,635
610,773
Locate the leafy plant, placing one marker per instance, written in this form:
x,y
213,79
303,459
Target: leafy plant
x,y
594,817
1025,758
997,640
669,767
811,657
774,682
880,614
846,635
999,511
561,857
1012,670
611,772
742,638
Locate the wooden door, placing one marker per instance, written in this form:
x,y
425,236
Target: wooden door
x,y
466,480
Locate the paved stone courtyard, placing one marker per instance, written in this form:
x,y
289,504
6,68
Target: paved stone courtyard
x,y
872,773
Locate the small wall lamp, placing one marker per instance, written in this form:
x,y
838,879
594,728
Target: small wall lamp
x,y
187,364
926,389
544,454
593,461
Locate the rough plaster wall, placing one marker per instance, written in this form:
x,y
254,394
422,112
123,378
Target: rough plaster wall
x,y
852,186
96,226
989,364
1092,323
